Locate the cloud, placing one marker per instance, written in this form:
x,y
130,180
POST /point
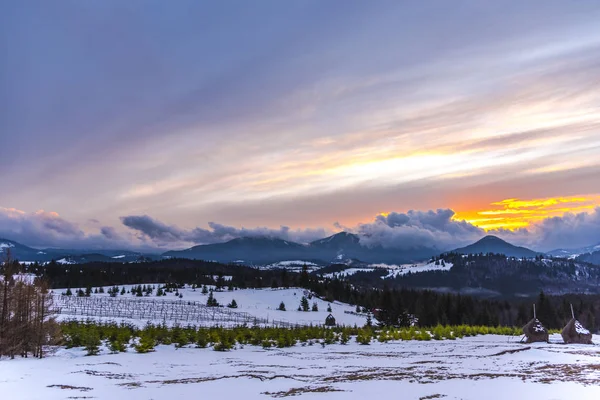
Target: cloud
x,y
163,234
414,229
36,228
569,231
48,229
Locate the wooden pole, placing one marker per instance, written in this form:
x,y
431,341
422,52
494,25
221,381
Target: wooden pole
x,y
572,313
534,311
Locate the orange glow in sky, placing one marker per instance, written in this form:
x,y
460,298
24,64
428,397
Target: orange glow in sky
x,y
518,213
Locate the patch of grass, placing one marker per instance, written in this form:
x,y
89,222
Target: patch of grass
x,y
303,390
69,387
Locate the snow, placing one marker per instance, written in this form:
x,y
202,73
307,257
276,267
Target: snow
x,y
469,368
347,272
404,269
6,245
580,329
258,303
121,256
292,262
26,278
65,261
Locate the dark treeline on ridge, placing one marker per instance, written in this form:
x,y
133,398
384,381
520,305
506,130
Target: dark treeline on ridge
x,y
392,305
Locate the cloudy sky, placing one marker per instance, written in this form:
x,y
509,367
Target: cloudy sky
x,y
153,123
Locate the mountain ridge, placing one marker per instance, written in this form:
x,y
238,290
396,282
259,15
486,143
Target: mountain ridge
x,y
493,244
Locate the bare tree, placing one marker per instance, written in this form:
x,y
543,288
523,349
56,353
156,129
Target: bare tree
x,y
26,316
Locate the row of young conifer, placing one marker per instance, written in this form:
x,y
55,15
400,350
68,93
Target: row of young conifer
x,y
122,337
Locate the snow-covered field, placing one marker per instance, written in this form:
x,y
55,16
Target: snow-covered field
x,y
393,270
259,303
483,367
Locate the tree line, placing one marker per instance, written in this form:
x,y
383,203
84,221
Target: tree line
x,y
394,303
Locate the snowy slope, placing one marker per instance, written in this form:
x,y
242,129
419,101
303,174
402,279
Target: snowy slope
x,y
259,303
483,367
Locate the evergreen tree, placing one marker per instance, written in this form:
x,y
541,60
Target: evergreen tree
x,y
329,308
315,307
304,304
146,343
69,293
92,342
211,301
233,304
281,306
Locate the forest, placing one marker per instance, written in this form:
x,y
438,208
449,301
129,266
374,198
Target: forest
x,y
393,303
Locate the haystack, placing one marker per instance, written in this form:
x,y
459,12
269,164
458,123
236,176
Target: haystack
x,y
330,320
574,332
535,331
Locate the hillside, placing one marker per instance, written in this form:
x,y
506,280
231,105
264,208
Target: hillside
x,y
493,244
28,254
340,247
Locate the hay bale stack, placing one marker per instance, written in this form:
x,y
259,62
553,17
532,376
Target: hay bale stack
x,y
330,320
574,332
535,331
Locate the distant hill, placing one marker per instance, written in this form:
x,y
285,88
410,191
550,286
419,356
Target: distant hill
x,y
21,252
341,247
572,253
592,258
493,244
247,250
24,253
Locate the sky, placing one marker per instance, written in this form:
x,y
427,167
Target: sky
x,y
153,124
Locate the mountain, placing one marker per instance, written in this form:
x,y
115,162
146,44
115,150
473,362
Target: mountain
x,y
341,247
247,250
592,258
24,253
493,244
572,253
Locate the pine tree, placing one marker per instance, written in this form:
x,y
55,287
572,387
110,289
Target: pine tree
x,y
69,292
92,342
146,343
123,291
281,306
304,304
329,308
233,304
315,307
204,289
211,301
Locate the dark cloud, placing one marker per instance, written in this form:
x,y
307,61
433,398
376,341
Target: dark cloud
x,y
169,234
110,233
416,229
47,229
